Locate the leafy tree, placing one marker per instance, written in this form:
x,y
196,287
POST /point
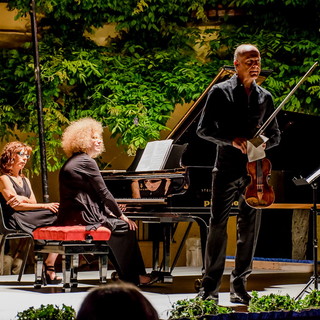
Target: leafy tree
x,y
287,34
134,82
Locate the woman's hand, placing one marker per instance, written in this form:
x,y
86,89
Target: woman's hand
x,y
132,224
52,206
16,200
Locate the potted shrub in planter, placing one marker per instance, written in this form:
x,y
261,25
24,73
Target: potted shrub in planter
x,y
275,306
47,312
196,308
272,306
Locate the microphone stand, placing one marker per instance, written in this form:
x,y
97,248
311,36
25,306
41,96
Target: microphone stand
x,y
315,277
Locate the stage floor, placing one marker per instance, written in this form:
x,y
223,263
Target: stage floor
x,y
15,296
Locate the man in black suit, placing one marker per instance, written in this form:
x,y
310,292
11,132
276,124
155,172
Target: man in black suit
x,y
233,113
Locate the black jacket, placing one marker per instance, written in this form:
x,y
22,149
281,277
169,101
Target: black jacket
x,y
84,197
230,113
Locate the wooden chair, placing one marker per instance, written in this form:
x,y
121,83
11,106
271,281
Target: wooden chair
x,y
70,242
8,234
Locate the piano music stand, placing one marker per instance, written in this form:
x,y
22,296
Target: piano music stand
x,y
311,180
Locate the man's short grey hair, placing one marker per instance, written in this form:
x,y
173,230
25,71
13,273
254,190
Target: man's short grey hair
x,y
240,50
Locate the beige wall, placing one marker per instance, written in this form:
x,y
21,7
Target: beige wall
x,y
13,32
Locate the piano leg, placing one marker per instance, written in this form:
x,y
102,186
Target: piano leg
x,y
155,253
203,223
164,232
165,270
166,247
203,228
182,243
162,271
167,238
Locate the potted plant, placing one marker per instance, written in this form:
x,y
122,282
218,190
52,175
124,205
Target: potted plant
x,y
272,306
196,308
276,306
48,312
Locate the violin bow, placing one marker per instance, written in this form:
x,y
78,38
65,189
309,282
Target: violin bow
x,y
276,111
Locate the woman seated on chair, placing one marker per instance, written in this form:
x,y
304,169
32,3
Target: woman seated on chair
x,y
19,204
85,199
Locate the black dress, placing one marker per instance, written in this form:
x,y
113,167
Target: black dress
x,y
85,200
25,220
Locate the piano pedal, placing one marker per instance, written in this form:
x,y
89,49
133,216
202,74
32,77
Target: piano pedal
x,y
168,279
163,277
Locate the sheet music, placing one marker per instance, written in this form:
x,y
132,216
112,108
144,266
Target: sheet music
x,y
308,180
155,155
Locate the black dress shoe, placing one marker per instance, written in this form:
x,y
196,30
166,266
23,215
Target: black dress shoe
x,y
243,298
207,295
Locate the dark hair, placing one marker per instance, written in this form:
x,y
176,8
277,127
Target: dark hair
x,y
9,153
120,301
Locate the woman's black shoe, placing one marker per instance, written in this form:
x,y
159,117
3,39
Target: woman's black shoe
x,y
46,276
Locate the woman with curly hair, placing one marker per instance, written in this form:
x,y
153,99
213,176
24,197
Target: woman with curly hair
x,y
85,199
20,207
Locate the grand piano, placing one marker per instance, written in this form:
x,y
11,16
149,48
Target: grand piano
x,y
181,191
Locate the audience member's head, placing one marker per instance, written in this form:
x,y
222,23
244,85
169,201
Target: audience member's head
x,y
121,301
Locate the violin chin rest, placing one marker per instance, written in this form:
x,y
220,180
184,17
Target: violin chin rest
x,y
257,203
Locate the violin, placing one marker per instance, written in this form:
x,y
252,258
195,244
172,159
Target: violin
x,y
259,194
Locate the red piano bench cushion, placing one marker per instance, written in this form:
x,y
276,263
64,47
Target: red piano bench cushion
x,y
71,233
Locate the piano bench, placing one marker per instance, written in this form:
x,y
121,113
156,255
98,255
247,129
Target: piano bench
x,y
70,242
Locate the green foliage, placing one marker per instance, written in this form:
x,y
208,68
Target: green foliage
x,y
287,34
134,82
195,308
311,300
273,302
277,302
47,312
